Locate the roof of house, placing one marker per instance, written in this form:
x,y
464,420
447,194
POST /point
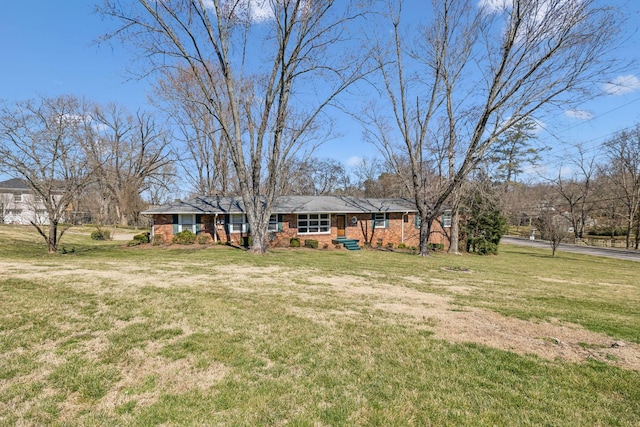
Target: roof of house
x,y
286,204
14,184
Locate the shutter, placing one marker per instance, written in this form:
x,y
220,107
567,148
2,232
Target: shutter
x,y
280,224
175,224
198,224
386,220
227,227
416,221
373,221
246,224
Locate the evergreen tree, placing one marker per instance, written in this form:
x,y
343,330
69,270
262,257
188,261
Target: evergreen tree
x,y
515,150
485,223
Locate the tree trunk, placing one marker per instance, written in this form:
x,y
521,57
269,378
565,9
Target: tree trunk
x,y
455,233
124,221
52,240
259,245
425,231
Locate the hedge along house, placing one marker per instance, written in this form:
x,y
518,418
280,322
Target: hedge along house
x,y
326,219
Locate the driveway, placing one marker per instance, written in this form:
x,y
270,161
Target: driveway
x,y
123,236
630,255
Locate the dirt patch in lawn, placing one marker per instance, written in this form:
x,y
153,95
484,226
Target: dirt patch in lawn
x,y
462,324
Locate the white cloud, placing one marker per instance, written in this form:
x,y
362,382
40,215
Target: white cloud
x,y
354,161
579,114
566,171
622,85
542,18
260,10
539,126
255,10
494,6
75,119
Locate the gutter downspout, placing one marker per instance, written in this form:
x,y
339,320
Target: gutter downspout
x,y
215,228
402,226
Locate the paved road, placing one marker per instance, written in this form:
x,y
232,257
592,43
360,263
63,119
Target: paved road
x,y
630,255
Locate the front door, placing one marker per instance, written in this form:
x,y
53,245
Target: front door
x,y
341,222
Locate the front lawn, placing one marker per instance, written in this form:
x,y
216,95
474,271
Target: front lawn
x,y
110,335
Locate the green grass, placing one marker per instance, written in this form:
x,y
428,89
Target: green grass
x,y
110,335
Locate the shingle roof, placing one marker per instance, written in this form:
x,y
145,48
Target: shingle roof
x,y
14,184
287,204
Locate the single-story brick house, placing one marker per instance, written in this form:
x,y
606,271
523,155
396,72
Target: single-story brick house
x,y
326,219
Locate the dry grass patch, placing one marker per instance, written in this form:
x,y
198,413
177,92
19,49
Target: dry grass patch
x,y
563,341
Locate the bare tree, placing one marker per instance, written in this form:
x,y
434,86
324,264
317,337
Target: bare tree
x,y
315,177
128,153
366,171
576,192
199,144
41,143
552,228
251,61
475,72
623,172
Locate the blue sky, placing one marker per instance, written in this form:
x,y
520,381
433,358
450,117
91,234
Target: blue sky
x,y
47,49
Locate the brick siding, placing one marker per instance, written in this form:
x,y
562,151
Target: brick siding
x,y
401,229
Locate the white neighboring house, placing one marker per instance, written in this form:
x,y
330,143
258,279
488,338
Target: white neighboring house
x,y
18,204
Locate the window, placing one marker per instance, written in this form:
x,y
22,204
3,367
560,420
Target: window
x,y
17,198
237,223
187,222
274,223
380,220
314,224
38,198
446,219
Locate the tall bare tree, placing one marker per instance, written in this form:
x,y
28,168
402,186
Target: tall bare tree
x,y
41,143
251,61
199,144
474,72
623,172
128,153
316,177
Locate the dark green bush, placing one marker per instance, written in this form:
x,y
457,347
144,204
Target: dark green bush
x,y
482,246
436,246
101,234
142,238
402,246
246,242
294,242
185,237
310,243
